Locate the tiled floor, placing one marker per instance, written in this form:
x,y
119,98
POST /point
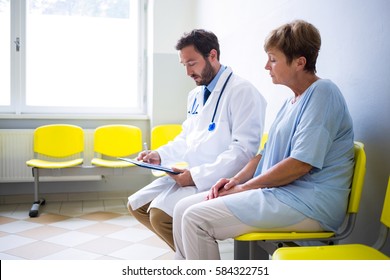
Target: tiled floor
x,y
73,230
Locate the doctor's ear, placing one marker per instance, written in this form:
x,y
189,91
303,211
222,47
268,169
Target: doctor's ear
x,y
213,54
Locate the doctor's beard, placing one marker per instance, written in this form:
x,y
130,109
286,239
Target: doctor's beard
x,y
207,75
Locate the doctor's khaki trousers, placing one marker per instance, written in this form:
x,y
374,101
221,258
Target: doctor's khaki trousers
x,y
197,224
155,220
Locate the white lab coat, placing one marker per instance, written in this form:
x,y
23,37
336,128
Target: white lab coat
x,y
211,155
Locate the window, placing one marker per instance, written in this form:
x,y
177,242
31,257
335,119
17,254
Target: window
x,y
5,62
68,56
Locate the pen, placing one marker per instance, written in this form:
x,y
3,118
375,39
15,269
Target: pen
x,y
146,147
146,150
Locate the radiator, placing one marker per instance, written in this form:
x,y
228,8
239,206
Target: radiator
x,y
16,147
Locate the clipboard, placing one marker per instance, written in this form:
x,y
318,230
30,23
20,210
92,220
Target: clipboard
x,y
150,166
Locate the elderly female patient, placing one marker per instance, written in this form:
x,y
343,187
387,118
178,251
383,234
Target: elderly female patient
x,y
300,180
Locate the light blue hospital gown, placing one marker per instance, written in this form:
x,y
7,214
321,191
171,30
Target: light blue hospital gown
x,y
317,129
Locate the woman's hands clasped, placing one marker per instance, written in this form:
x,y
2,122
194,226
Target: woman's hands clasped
x,y
224,187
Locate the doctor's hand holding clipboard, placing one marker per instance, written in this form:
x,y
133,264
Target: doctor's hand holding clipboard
x,y
183,179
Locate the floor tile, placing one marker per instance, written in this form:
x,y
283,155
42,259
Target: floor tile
x,y
71,239
139,252
167,256
6,220
18,226
13,241
76,230
125,220
43,232
4,256
100,216
103,245
72,254
73,223
101,229
154,240
47,218
20,212
131,234
107,258
36,250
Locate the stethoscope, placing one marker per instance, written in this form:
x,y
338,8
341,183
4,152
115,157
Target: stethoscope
x,y
195,106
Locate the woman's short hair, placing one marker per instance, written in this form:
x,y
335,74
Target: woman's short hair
x,y
296,39
202,40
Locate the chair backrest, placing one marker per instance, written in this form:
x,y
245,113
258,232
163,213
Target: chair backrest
x,y
358,178
264,139
117,140
162,134
58,140
385,217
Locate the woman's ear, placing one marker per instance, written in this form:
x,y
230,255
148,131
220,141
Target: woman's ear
x,y
301,62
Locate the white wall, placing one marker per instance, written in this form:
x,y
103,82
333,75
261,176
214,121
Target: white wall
x,y
168,92
355,55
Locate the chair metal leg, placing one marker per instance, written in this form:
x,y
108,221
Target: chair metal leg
x,y
37,202
381,240
257,252
241,250
249,250
252,250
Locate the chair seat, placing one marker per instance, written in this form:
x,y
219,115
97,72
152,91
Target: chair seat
x,y
285,236
332,252
39,163
111,163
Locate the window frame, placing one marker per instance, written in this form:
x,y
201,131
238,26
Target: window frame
x,y
18,107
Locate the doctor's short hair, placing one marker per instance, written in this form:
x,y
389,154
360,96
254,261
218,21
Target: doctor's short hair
x,y
295,39
202,40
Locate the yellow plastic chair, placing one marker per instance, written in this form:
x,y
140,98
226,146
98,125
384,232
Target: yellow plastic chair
x,y
264,139
344,251
328,237
113,141
162,134
55,146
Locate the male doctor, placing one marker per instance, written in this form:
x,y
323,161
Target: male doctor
x,y
225,121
